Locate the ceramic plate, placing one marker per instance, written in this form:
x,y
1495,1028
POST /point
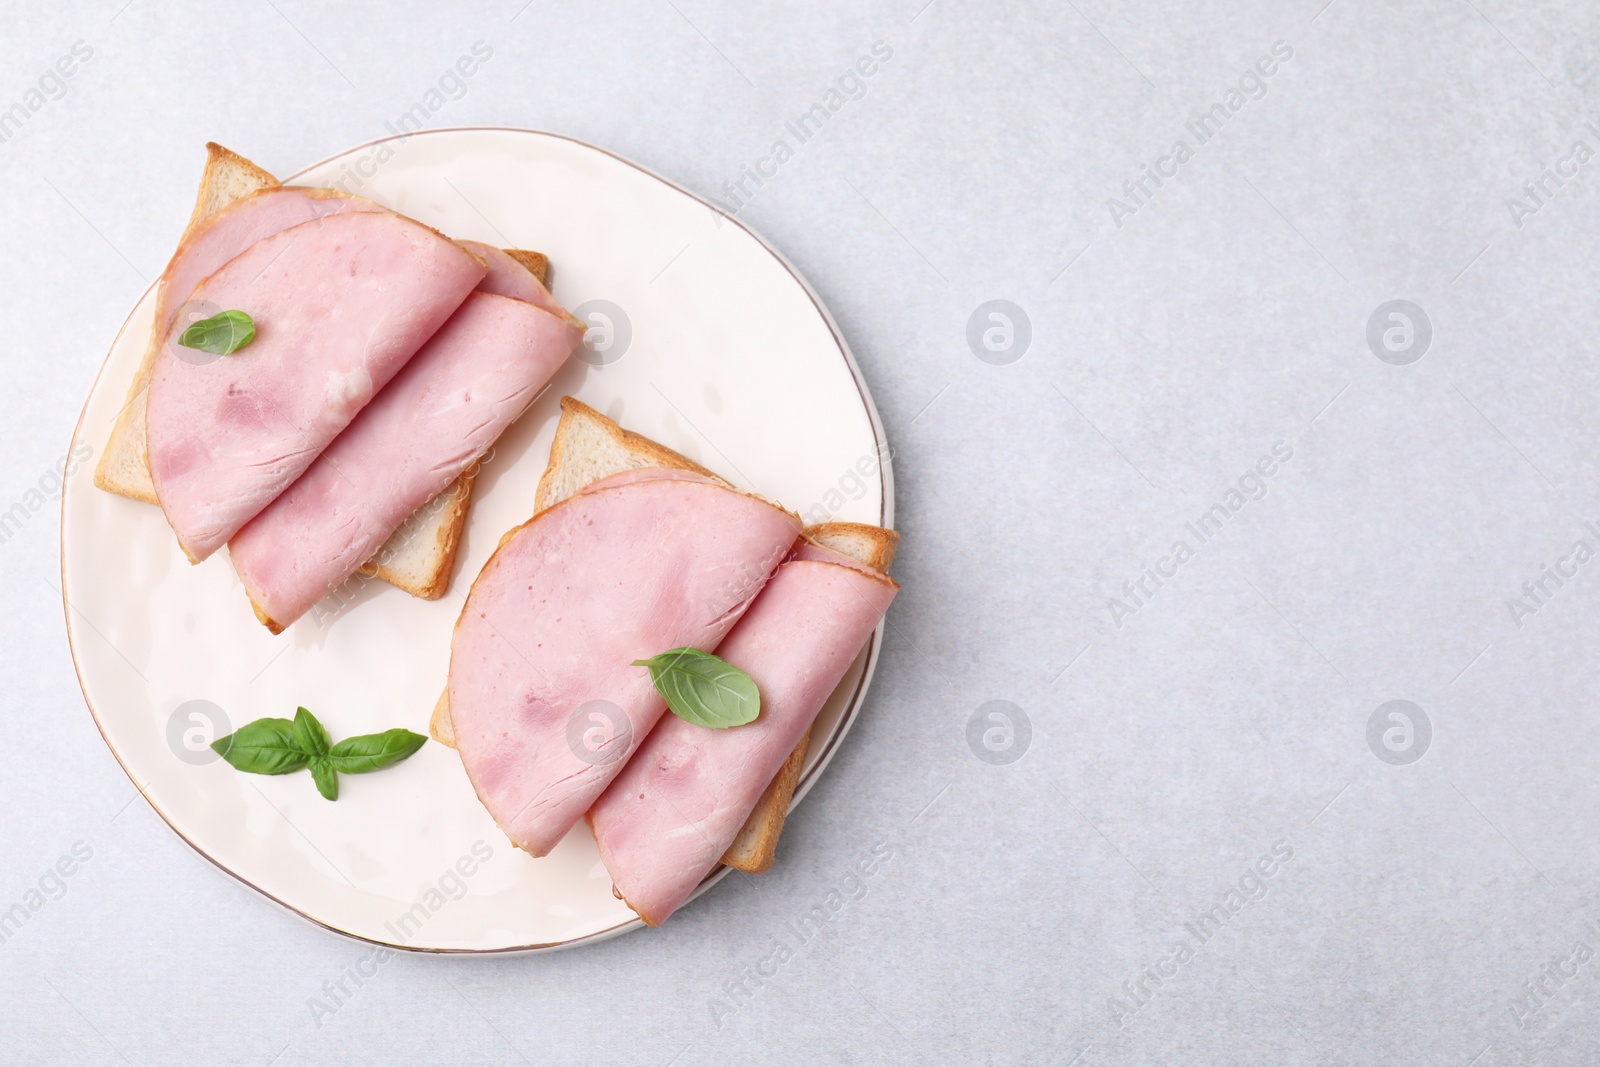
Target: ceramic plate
x,y
704,338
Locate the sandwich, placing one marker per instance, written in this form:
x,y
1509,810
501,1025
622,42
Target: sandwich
x,y
544,703
238,205
752,769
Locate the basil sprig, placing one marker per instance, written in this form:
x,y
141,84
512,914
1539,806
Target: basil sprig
x,y
222,334
703,689
279,746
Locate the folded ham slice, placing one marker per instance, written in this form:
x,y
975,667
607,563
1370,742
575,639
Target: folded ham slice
x,y
473,378
670,814
545,702
340,304
208,245
235,228
507,277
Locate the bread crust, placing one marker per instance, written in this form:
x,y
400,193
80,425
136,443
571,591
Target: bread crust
x,y
441,727
537,263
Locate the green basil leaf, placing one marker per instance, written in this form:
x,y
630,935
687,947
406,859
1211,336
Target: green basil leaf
x,y
373,752
313,738
704,689
266,746
326,777
222,334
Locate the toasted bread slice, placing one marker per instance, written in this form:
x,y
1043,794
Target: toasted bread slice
x,y
587,447
228,177
420,555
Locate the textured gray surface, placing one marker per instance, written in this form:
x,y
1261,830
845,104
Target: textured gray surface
x,y
1431,912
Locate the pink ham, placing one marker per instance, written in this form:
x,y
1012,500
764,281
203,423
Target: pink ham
x,y
507,277
475,377
545,701
235,228
672,812
340,304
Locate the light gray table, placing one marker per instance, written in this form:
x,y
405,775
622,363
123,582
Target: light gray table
x,y
1212,842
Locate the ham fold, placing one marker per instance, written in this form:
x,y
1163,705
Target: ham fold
x,y
507,277
340,304
473,378
205,248
670,814
545,702
235,228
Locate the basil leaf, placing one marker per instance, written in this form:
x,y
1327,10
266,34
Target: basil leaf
x,y
704,689
222,334
326,777
266,746
313,738
278,746
373,752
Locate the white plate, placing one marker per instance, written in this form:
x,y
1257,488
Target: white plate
x,y
732,361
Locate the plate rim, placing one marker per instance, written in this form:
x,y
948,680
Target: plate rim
x,y
874,645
